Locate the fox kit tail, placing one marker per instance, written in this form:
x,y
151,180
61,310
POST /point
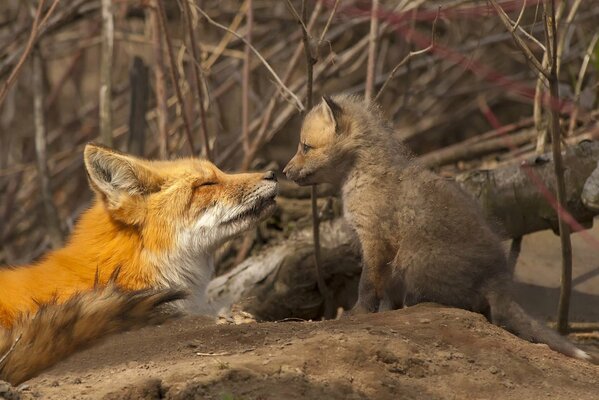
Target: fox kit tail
x,y
56,331
505,312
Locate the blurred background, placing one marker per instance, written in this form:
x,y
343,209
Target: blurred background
x,y
160,80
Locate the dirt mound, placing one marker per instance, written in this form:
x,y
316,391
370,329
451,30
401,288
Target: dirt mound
x,y
425,352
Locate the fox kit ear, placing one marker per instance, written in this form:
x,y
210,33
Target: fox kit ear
x,y
331,110
113,174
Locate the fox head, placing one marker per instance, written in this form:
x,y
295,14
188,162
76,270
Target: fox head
x,y
325,149
185,205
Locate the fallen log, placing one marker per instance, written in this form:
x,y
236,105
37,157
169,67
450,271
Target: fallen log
x,y
279,282
512,195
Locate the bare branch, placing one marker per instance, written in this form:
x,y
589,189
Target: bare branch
x,y
175,75
245,82
578,88
106,73
297,101
564,227
519,42
159,81
372,40
33,36
10,350
54,230
326,26
196,77
408,57
517,23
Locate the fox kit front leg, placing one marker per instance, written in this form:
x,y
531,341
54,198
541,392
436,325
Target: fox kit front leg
x,y
373,290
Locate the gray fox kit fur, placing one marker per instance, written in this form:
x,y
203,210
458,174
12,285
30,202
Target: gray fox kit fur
x,y
422,238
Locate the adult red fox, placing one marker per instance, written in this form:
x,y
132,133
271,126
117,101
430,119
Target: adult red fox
x,y
148,239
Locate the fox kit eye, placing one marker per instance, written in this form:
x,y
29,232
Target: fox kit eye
x,y
306,148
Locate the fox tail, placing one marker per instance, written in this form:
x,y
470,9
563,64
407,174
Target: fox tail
x,y
38,341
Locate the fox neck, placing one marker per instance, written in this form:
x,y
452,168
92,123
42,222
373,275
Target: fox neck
x,y
99,243
381,158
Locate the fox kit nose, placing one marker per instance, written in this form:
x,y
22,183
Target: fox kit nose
x,y
270,176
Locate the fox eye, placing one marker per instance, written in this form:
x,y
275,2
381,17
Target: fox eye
x,y
205,183
306,147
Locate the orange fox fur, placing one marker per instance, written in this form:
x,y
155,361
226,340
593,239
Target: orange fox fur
x,y
149,234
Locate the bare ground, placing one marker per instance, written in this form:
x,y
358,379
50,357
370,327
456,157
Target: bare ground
x,y
425,352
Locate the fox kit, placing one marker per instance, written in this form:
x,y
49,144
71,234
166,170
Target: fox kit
x,y
422,238
147,240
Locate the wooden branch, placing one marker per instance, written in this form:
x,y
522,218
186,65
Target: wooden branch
x,y
196,77
106,73
578,88
280,282
175,76
542,85
372,41
408,57
267,114
468,151
159,80
530,57
328,23
53,229
139,82
284,87
28,48
311,59
245,81
564,229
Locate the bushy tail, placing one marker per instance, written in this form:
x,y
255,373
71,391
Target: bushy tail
x,y
505,312
55,331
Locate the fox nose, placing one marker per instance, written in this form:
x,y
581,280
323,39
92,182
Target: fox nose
x,y
270,176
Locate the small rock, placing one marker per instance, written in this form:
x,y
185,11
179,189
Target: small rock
x,y
493,370
77,381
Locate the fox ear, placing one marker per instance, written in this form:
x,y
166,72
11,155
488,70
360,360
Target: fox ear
x,y
331,110
114,175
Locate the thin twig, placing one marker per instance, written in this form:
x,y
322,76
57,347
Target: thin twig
x,y
159,81
30,42
10,350
284,87
105,102
196,76
372,41
328,23
310,61
518,40
175,75
267,114
408,57
222,45
578,88
245,81
54,230
542,84
564,228
519,19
